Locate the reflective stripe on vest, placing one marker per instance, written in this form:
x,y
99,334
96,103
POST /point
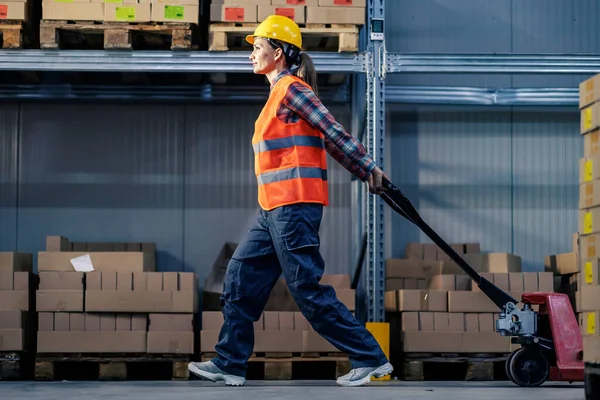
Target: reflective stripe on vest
x,y
282,143
290,159
292,173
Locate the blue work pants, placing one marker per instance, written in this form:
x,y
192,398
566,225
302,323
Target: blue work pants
x,y
286,240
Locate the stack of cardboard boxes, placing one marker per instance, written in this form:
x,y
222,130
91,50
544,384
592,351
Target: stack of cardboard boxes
x,y
301,11
122,10
281,327
588,300
446,312
121,306
17,302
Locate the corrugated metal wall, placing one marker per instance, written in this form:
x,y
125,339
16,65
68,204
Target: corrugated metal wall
x,y
179,176
504,177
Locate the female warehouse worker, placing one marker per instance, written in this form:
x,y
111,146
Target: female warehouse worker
x,y
291,137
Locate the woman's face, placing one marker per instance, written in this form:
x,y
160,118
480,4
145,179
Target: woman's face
x,y
264,57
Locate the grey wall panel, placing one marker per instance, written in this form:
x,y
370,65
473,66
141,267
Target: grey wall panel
x,y
546,147
221,191
482,26
556,26
9,152
454,164
103,173
448,26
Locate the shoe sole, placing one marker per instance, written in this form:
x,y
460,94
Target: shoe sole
x,y
380,372
229,380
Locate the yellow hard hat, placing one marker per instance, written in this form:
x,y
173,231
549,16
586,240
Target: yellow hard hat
x,y
280,28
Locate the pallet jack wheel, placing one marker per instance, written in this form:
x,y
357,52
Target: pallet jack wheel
x,y
592,381
527,367
507,364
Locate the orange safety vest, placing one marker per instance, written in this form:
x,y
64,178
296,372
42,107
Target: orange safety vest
x,y
290,161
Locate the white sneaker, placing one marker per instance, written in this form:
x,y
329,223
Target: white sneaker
x,y
362,376
211,372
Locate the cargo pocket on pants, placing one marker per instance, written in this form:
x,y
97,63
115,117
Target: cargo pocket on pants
x,y
300,237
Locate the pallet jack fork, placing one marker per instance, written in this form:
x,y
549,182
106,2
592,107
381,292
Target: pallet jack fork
x,y
551,340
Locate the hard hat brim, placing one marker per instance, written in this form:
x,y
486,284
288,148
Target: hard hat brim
x,y
250,39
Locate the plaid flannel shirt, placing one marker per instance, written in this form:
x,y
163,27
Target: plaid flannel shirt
x,y
301,102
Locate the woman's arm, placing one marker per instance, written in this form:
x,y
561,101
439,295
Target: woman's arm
x,y
343,147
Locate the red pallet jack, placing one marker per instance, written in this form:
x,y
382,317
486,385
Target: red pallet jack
x,y
551,341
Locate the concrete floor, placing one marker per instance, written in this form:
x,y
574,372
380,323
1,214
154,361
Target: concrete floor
x,y
292,390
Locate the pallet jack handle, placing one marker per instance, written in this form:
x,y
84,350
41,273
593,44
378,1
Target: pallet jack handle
x,y
400,203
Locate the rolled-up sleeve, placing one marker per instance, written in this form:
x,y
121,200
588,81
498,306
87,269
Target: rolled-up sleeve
x,y
343,147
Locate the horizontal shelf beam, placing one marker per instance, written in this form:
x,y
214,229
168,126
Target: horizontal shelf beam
x,y
159,61
493,64
125,93
482,96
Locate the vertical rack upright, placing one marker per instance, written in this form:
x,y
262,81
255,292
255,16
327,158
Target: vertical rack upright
x,y
375,72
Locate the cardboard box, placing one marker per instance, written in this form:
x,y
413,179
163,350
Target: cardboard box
x,y
589,299
312,342
175,12
141,301
591,348
589,91
295,13
286,321
590,118
12,339
590,323
170,342
590,246
455,342
590,273
13,319
13,262
14,10
208,340
473,302
411,268
92,342
240,12
212,320
59,300
562,264
171,322
115,12
416,300
335,15
72,11
314,3
21,300
57,243
102,261
342,3
589,170
591,143
61,280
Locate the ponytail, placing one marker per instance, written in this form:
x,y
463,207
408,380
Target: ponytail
x,y
306,71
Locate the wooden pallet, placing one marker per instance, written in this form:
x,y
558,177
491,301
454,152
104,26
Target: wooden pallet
x,y
451,366
111,367
15,365
225,36
13,34
294,366
115,35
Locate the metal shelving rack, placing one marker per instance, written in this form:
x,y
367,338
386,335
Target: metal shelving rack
x,y
373,64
